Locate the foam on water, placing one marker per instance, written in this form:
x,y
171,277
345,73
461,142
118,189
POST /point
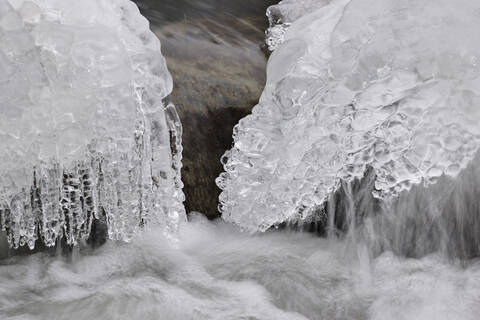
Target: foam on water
x,y
220,273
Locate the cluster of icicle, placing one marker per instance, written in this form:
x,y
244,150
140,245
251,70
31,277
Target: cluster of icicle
x,y
390,87
84,133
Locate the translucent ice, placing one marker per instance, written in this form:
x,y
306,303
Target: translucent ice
x,y
84,133
281,16
390,85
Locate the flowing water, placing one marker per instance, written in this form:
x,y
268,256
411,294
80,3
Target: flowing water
x,y
220,273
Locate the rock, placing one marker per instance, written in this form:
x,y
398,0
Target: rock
x,y
218,69
4,249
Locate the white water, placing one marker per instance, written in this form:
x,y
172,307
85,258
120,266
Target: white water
x,y
220,273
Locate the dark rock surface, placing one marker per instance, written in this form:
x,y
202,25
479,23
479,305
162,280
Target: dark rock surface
x,y
4,250
214,53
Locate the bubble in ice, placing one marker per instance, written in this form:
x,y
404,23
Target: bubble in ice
x,y
84,131
392,86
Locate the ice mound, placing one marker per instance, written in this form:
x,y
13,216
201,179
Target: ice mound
x,y
84,133
392,86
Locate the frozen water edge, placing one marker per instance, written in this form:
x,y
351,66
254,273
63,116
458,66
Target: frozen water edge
x,y
84,133
353,86
221,273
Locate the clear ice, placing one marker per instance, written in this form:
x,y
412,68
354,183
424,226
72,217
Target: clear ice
x,y
281,16
84,131
355,86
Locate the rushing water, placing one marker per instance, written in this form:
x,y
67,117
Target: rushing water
x,y
220,273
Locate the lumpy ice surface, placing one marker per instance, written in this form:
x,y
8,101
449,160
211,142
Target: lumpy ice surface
x,y
388,85
84,133
281,16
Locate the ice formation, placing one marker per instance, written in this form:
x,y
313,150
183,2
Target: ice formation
x,y
390,86
84,133
281,16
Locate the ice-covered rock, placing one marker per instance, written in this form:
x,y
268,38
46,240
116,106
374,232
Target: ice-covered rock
x,y
390,85
83,129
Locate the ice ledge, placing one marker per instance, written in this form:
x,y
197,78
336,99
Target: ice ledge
x,y
84,133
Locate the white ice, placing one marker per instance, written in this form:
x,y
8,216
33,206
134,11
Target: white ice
x,y
84,132
389,85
